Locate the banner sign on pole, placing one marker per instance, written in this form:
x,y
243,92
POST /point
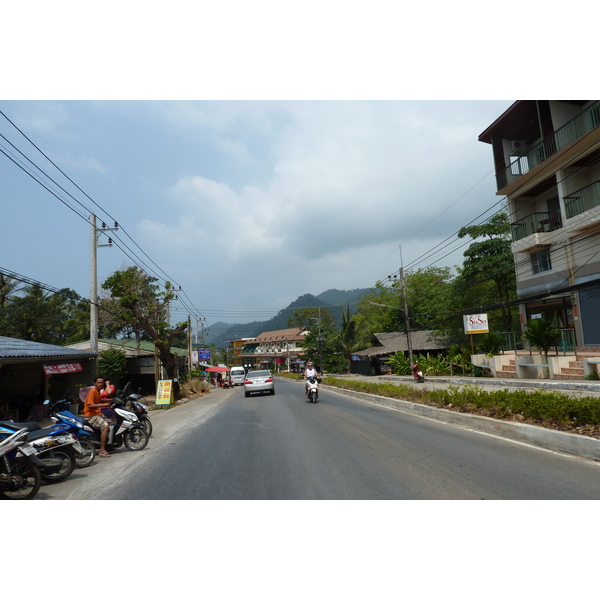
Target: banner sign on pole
x,y
164,392
204,354
476,323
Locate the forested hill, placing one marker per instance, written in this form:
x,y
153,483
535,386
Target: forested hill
x,y
220,332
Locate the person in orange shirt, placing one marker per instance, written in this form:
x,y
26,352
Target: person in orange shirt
x,y
93,414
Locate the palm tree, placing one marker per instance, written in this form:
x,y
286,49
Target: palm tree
x,y
541,335
347,335
8,287
78,325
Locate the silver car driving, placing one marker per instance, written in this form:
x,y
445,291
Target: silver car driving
x,y
258,381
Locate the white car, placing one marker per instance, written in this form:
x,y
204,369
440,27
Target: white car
x,y
258,381
238,374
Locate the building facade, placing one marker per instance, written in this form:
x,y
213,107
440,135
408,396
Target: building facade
x,y
275,350
547,163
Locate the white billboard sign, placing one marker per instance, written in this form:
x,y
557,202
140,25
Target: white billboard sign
x,y
476,323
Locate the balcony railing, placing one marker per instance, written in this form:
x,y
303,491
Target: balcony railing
x,y
540,222
582,200
568,133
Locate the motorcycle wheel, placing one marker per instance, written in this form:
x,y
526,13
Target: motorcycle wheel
x,y
135,439
67,456
313,397
147,425
88,458
31,480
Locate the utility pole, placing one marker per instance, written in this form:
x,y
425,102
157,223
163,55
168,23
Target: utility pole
x,y
94,245
190,363
405,303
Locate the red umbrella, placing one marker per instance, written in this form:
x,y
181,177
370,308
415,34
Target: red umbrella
x,y
216,369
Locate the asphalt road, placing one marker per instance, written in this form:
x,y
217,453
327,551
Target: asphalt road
x,y
229,447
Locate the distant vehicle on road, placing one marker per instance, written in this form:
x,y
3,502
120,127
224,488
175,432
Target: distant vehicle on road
x,y
258,381
238,374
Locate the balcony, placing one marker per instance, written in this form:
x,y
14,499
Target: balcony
x,y
541,222
562,137
583,200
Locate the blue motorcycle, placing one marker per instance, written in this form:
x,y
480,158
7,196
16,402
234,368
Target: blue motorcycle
x,y
54,446
59,412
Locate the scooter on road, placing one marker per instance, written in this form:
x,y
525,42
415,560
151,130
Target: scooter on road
x,y
313,388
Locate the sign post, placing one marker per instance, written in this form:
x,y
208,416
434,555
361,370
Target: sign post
x,y
475,324
164,392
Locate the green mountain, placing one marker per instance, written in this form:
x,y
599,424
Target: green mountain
x,y
219,333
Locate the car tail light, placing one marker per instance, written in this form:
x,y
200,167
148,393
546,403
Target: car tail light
x,y
269,380
247,381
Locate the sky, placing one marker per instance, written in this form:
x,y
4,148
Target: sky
x,y
253,152
246,205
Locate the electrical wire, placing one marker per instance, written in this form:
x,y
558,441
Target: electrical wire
x,y
131,255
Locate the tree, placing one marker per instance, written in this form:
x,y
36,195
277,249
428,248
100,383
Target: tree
x,y
78,325
371,317
39,316
327,347
112,363
305,317
488,273
541,335
428,294
347,335
8,287
143,307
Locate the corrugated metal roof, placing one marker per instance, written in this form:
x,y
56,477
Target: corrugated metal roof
x,y
129,346
14,350
292,334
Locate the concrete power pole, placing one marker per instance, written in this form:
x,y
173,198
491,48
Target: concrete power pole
x,y
405,303
94,245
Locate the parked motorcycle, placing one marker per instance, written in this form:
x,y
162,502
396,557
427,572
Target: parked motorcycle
x,y
20,479
418,374
133,403
54,446
125,429
59,412
313,388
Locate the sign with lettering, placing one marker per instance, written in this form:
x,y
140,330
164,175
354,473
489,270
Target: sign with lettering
x,y
164,392
61,369
476,323
203,353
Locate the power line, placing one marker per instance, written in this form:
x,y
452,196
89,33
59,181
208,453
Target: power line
x,y
131,255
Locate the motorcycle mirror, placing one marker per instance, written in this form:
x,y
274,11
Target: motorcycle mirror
x,y
127,388
46,402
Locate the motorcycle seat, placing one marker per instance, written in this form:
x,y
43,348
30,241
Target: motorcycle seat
x,y
39,433
29,426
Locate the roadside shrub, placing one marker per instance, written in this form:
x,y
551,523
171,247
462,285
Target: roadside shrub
x,y
544,408
400,363
112,363
194,387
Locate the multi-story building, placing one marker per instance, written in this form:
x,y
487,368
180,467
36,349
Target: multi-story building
x,y
275,349
234,354
547,162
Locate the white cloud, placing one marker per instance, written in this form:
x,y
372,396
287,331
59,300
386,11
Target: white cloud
x,y
348,179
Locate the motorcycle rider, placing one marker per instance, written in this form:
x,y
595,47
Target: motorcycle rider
x,y
310,371
93,414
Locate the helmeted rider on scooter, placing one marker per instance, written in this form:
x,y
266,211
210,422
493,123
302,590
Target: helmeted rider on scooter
x,y
310,371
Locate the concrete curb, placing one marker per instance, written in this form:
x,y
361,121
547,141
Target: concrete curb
x,y
558,441
545,384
